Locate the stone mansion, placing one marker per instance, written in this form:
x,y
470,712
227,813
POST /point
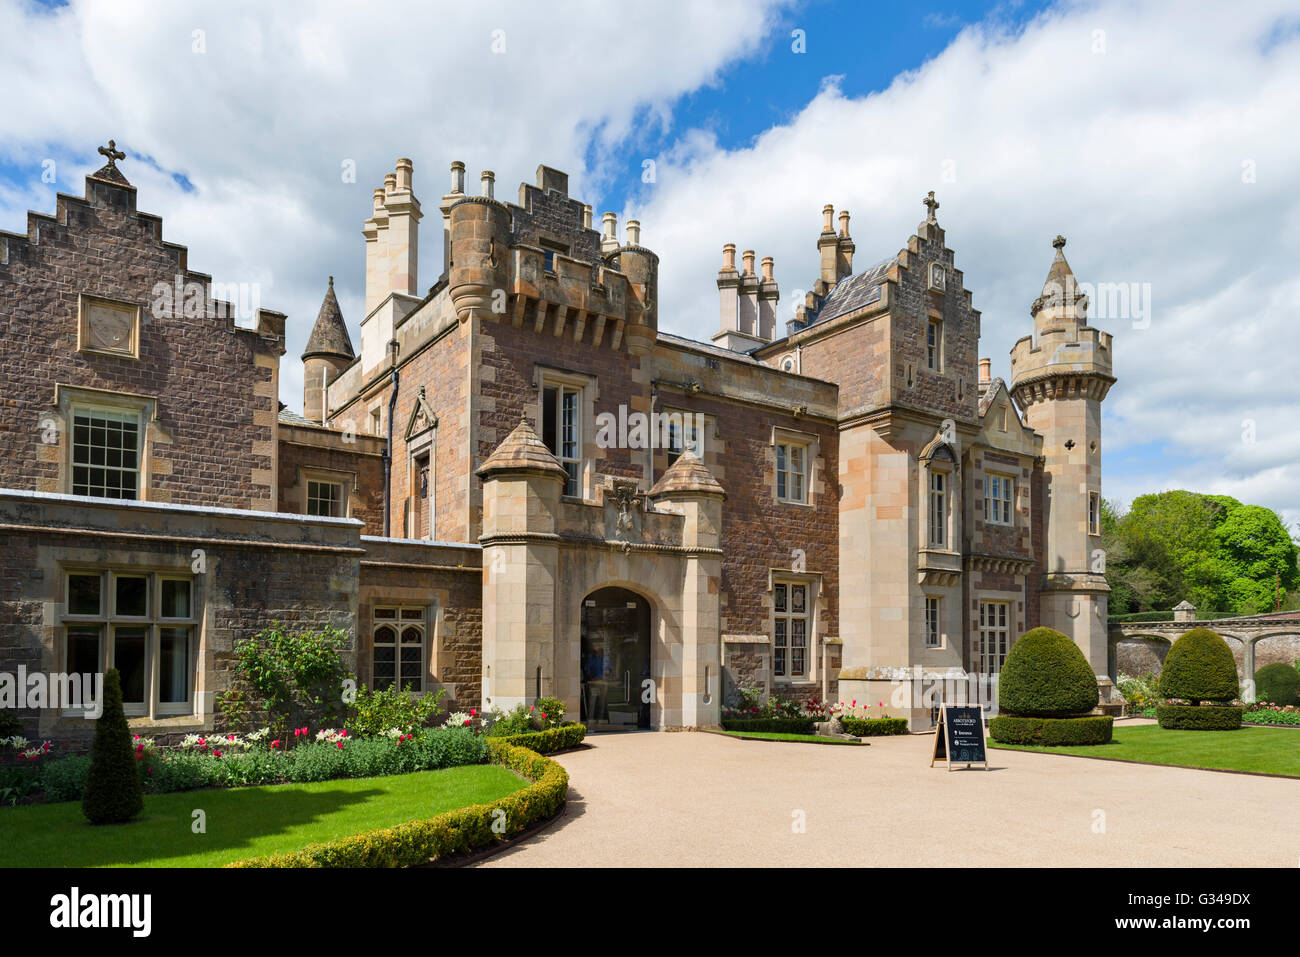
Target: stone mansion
x,y
518,485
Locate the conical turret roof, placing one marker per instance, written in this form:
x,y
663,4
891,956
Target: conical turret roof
x,y
688,474
1060,288
521,450
329,337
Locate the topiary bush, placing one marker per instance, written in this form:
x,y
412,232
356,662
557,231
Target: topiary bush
x,y
1200,667
113,792
1278,684
549,741
874,727
1046,676
1055,732
1187,717
770,725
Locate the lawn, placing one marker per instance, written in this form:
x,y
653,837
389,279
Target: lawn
x,y
773,736
1263,750
242,822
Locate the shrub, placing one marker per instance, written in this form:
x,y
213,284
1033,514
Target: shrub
x,y
10,724
518,720
65,779
549,741
1261,713
455,832
113,793
548,713
1139,693
873,727
1186,717
770,725
297,679
1053,732
1046,676
1200,667
1278,684
375,712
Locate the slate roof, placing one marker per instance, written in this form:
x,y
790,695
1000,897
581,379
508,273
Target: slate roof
x,y
289,417
330,334
853,292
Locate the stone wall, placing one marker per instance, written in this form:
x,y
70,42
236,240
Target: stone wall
x,y
313,452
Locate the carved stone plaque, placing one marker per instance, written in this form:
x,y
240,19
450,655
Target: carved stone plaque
x,y
108,326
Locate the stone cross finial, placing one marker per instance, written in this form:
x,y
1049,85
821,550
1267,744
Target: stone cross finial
x,y
1058,242
113,153
931,204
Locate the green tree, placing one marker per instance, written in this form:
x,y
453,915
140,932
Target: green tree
x,y
113,793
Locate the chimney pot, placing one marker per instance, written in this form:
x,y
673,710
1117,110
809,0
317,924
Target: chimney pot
x,y
634,232
390,182
748,257
379,199
767,269
404,170
586,216
828,213
986,370
488,179
729,256
610,223
844,223
458,177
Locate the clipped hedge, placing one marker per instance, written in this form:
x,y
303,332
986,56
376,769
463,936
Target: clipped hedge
x,y
549,741
873,727
1278,684
1200,667
454,832
1186,717
770,725
1053,732
1046,676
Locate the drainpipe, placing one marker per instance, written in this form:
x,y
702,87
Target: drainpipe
x,y
388,447
650,468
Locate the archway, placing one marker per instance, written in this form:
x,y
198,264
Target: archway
x,y
615,660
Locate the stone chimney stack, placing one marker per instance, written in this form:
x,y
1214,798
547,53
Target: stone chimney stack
x,y
488,180
828,247
456,192
844,249
609,239
986,371
768,297
586,216
634,232
392,256
748,319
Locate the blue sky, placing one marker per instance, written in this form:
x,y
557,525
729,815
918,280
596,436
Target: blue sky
x,y
1160,136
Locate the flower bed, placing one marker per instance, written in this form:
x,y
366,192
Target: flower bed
x,y
455,832
770,725
1261,712
239,760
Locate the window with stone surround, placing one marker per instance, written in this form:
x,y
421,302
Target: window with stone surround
x,y
934,346
399,652
999,499
682,436
792,472
105,453
791,654
562,424
1094,513
933,637
549,251
325,499
938,508
994,634
144,624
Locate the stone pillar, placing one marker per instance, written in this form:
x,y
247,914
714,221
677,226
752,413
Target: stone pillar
x,y
1248,669
521,498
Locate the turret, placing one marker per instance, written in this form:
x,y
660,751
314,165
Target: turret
x,y
480,241
328,352
641,266
1059,377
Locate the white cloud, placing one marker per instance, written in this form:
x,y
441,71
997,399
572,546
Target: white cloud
x,y
1136,154
262,120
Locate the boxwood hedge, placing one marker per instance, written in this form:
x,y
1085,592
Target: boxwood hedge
x,y
549,741
1055,732
1046,676
1200,667
873,727
1186,717
454,832
770,725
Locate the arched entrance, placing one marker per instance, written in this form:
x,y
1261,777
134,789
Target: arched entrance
x,y
615,660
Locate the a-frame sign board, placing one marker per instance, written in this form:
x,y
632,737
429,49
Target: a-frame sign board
x,y
960,736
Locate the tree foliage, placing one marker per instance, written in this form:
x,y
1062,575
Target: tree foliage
x,y
1211,550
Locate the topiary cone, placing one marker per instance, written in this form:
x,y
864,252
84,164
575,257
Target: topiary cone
x,y
113,792
1200,667
1046,676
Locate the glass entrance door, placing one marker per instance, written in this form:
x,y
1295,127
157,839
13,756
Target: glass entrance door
x,y
615,660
